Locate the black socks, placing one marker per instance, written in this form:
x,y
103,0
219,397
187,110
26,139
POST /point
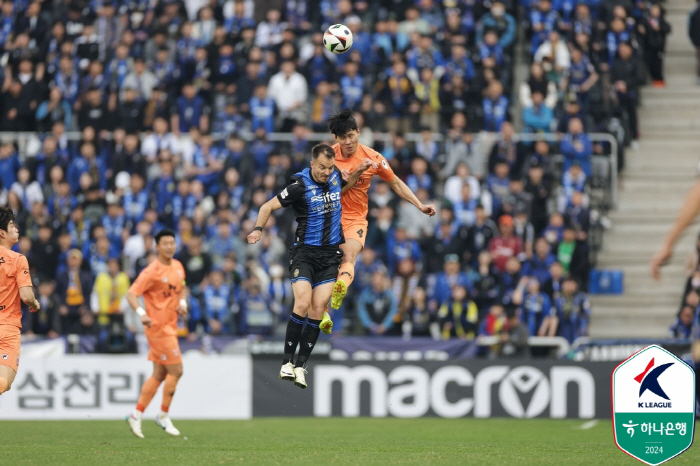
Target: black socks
x,y
308,341
292,337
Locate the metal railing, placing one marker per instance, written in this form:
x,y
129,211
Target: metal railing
x,y
561,343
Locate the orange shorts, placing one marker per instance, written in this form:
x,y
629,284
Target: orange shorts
x,y
164,350
9,346
357,230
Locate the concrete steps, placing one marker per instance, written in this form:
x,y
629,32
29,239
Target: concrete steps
x,y
656,180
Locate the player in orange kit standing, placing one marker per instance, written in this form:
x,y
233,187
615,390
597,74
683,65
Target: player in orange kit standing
x,y
162,286
349,154
15,289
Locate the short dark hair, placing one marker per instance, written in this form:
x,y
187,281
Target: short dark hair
x,y
322,149
342,122
164,232
6,216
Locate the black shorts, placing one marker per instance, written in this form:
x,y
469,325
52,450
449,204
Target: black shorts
x,y
317,265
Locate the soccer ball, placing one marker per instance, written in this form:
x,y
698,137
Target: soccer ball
x,y
337,38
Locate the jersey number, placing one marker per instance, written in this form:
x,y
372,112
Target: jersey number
x,y
360,233
2,260
2,308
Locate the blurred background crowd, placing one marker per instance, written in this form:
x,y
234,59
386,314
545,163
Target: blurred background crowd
x,y
191,114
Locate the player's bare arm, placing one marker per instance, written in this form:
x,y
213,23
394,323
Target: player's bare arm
x,y
133,301
688,212
404,192
181,309
263,216
355,175
26,294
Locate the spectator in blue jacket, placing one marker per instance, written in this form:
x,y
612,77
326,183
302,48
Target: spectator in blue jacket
x,y
87,162
190,110
576,145
543,19
538,266
401,247
135,200
114,222
9,165
216,302
440,286
262,109
377,306
537,310
490,51
365,268
495,106
255,310
459,64
425,55
498,20
53,109
682,326
352,86
538,117
386,40
573,311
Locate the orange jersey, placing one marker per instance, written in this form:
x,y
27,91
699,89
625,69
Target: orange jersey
x,y
355,200
14,274
161,286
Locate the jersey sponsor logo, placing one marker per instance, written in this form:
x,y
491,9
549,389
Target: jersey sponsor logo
x,y
327,197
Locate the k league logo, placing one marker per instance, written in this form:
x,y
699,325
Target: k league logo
x,y
653,403
649,380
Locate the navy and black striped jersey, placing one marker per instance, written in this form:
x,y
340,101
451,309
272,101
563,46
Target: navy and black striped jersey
x,y
317,208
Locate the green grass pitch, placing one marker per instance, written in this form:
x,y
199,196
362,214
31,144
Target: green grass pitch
x,y
309,441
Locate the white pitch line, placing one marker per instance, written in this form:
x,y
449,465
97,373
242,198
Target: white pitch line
x,y
589,424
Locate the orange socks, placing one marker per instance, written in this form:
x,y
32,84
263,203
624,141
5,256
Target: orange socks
x,y
168,392
347,272
149,389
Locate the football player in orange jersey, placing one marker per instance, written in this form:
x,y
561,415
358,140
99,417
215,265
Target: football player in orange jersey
x,y
15,289
349,154
162,285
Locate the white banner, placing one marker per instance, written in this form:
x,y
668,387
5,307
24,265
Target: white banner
x,y
108,387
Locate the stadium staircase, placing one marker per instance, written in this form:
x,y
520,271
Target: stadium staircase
x,y
656,180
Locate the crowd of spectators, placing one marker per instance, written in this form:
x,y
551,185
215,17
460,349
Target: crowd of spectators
x,y
165,95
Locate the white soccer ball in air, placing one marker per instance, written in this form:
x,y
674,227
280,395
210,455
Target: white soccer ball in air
x,y
337,38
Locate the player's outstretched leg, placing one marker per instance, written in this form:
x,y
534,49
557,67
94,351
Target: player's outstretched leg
x,y
346,274
308,341
291,341
149,389
163,419
301,288
319,301
326,325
